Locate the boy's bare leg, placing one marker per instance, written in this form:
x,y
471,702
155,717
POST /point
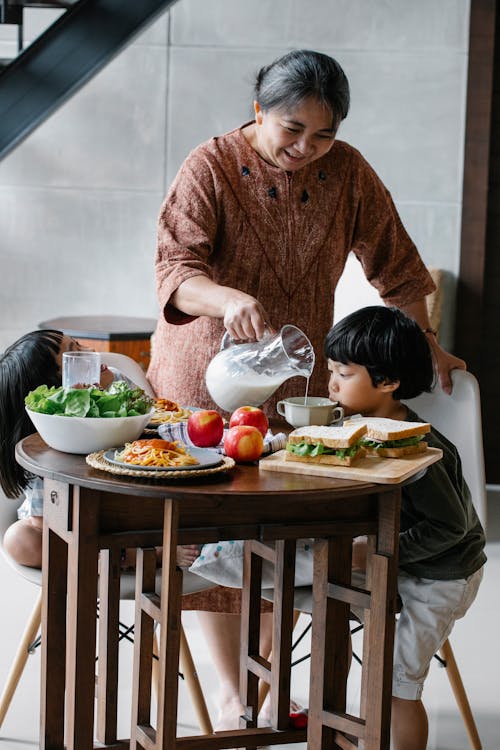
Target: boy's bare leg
x,y
23,541
409,725
222,634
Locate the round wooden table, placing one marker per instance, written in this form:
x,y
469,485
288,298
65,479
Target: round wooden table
x,y
88,511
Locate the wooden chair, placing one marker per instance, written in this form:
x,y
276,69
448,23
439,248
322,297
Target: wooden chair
x,y
191,584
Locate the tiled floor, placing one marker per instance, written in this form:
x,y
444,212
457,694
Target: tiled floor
x,y
475,641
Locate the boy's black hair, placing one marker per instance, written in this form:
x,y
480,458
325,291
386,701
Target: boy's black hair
x,y
27,363
389,344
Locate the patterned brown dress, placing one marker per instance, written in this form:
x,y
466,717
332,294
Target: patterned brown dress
x,y
281,237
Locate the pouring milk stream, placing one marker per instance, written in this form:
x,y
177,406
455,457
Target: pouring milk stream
x,y
249,373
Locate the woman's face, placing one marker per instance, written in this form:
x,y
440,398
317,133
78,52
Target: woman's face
x,y
290,139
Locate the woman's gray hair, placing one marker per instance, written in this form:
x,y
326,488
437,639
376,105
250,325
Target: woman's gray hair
x,y
302,74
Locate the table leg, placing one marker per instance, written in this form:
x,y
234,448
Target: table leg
x,y
250,635
107,663
81,637
330,641
53,645
143,648
378,637
252,664
283,622
165,609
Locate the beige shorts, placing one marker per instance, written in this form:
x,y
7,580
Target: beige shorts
x,y
430,609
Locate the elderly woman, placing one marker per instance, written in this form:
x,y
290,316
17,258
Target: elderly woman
x,y
254,233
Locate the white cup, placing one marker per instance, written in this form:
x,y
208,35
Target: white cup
x,y
81,369
300,412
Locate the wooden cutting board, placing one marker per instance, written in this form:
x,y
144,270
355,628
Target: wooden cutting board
x,y
368,469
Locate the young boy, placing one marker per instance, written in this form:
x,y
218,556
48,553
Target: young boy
x,y
378,356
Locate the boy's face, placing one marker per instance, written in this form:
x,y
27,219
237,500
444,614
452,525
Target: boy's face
x,y
352,387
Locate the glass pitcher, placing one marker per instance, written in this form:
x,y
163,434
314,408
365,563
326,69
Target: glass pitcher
x,y
247,374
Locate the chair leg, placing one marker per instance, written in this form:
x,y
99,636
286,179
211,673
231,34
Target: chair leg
x,y
19,662
446,653
188,669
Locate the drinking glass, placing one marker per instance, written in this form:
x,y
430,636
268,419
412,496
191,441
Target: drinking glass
x,y
81,369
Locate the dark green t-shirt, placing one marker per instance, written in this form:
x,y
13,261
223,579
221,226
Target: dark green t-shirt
x,y
441,536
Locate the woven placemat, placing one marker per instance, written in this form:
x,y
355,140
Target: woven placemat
x,y
148,430
98,461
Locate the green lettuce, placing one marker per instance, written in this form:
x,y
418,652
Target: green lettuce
x,y
402,443
318,449
118,400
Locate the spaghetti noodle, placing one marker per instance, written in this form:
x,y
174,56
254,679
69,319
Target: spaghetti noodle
x,y
167,411
155,453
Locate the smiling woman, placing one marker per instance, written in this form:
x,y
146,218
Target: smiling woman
x,y
255,233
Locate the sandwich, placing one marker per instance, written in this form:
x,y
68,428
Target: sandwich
x,y
392,438
316,444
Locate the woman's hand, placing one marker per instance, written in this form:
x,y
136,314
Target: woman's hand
x,y
244,317
445,363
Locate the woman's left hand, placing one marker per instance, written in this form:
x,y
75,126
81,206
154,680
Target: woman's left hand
x,y
445,363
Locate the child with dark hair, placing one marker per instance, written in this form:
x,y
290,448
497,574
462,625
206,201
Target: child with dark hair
x,y
33,360
376,357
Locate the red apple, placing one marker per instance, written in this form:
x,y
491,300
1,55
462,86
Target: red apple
x,y
205,428
250,415
243,443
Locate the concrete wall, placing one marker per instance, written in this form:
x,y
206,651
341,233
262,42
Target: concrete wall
x,y
80,197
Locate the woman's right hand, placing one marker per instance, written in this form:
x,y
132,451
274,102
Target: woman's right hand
x,y
244,317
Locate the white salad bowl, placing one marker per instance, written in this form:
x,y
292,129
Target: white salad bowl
x,y
87,434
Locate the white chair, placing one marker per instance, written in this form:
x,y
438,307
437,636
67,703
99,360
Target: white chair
x,y
191,584
458,417
128,367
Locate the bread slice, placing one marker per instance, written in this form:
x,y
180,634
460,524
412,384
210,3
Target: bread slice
x,y
331,437
406,450
381,428
326,459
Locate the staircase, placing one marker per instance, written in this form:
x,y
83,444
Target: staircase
x,y
83,39
12,14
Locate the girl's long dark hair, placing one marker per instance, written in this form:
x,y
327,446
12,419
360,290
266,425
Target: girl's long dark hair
x,y
27,363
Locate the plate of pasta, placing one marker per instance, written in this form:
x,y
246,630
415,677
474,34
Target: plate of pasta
x,y
166,411
162,455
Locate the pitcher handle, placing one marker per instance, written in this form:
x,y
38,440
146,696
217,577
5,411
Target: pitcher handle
x,y
227,341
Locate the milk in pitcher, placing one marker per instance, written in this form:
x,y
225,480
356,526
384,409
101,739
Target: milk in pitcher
x,y
249,389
